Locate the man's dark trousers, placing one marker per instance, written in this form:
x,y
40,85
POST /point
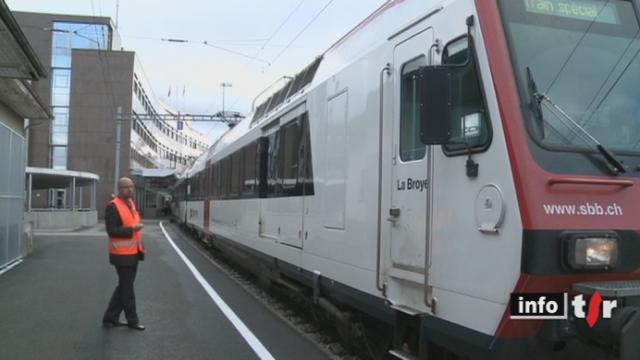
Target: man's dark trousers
x,y
123,298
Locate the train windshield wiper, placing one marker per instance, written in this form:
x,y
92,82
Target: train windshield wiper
x,y
616,167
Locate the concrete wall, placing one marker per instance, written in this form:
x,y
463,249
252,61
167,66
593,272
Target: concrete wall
x,y
92,123
63,219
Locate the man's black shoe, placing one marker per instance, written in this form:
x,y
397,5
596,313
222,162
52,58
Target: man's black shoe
x,y
136,327
112,323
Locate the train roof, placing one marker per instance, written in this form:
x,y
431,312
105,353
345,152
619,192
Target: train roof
x,y
376,29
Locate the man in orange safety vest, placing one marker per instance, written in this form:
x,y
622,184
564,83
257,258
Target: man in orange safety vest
x,y
124,228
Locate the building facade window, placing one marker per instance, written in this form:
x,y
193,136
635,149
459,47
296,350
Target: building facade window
x,y
66,37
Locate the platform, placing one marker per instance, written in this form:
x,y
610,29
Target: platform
x,y
51,306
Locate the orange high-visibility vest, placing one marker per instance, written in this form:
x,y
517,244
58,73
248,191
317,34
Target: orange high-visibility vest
x,y
129,217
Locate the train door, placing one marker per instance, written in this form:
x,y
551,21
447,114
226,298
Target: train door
x,y
409,213
281,211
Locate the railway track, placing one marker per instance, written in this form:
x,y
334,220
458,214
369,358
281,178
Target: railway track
x,y
291,305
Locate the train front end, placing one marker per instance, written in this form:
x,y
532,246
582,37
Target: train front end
x,y
567,75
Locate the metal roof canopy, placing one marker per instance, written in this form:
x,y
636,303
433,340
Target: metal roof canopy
x,y
18,65
22,99
17,59
153,173
45,178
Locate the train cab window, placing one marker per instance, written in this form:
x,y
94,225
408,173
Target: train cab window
x,y
411,147
470,127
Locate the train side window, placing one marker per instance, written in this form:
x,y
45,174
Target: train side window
x,y
250,173
214,181
207,181
203,184
274,177
263,163
305,167
219,180
289,148
470,126
203,181
237,167
196,188
411,146
225,176
211,180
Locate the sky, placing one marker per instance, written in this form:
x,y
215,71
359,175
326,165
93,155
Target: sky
x,y
260,41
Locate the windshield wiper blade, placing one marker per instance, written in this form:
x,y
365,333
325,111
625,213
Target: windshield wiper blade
x,y
618,167
536,103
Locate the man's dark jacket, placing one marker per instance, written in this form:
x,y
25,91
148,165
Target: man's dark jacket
x,y
114,229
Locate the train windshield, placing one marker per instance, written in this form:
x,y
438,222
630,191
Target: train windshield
x,y
582,56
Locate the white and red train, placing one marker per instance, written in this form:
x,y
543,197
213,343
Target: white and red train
x,y
442,156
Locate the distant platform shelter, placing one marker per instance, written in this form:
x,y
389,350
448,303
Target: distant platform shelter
x,y
74,203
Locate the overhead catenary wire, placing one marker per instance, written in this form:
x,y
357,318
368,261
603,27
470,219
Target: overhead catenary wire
x,y
225,44
219,41
575,48
104,65
282,24
108,85
235,52
315,17
606,80
271,37
213,45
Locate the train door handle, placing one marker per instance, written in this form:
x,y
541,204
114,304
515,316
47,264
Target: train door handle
x,y
394,214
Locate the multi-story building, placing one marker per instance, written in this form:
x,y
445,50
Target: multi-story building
x,y
94,85
156,143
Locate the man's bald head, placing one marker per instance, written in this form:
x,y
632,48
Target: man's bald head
x,y
126,188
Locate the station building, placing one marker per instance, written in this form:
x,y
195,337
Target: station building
x,y
20,71
93,86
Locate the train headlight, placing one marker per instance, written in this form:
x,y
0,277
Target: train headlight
x,y
592,251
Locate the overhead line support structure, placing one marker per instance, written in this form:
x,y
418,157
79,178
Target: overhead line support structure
x,y
120,117
186,117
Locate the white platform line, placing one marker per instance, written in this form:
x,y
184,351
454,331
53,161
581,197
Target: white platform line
x,y
248,336
13,264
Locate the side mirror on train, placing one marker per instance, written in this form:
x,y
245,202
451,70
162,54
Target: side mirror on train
x,y
435,111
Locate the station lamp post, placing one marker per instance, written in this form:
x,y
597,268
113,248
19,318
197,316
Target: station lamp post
x,y
224,85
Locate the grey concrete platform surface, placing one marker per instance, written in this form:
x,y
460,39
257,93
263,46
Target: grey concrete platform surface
x,y
51,306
